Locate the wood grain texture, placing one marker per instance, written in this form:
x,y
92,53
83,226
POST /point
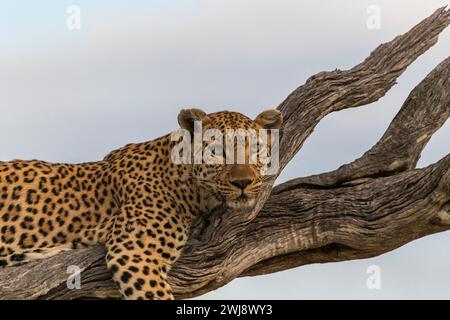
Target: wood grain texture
x,y
363,209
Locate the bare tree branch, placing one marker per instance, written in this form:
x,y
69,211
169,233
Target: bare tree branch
x,y
365,83
346,223
425,110
370,206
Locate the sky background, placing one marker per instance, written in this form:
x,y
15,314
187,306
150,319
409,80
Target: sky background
x,y
74,95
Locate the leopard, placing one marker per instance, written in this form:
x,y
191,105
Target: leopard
x,y
136,202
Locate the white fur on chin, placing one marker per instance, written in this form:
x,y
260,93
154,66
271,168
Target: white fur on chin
x,y
241,205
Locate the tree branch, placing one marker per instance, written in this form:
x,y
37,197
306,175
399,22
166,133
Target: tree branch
x,y
346,223
373,205
425,110
365,83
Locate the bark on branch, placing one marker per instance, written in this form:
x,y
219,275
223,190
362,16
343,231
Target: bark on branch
x,y
363,209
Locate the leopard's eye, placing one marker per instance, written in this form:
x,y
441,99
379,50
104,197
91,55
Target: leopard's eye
x,y
197,154
253,153
214,154
256,152
253,147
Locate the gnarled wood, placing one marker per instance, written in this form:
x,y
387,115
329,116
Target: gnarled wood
x,y
425,110
363,209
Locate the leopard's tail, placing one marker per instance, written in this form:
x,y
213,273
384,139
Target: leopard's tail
x,y
21,257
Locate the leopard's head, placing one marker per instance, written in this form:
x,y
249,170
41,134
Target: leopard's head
x,y
230,153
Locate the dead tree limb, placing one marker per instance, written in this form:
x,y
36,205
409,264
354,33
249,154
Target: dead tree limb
x,y
365,208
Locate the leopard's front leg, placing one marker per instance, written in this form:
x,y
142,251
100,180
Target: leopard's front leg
x,y
140,251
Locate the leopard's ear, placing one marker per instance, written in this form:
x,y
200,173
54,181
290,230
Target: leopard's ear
x,y
186,118
270,119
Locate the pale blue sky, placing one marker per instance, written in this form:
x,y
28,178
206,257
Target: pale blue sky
x,y
72,96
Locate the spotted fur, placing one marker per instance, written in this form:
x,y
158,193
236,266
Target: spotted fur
x,y
136,202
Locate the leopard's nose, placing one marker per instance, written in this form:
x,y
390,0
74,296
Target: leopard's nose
x,y
241,176
241,183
